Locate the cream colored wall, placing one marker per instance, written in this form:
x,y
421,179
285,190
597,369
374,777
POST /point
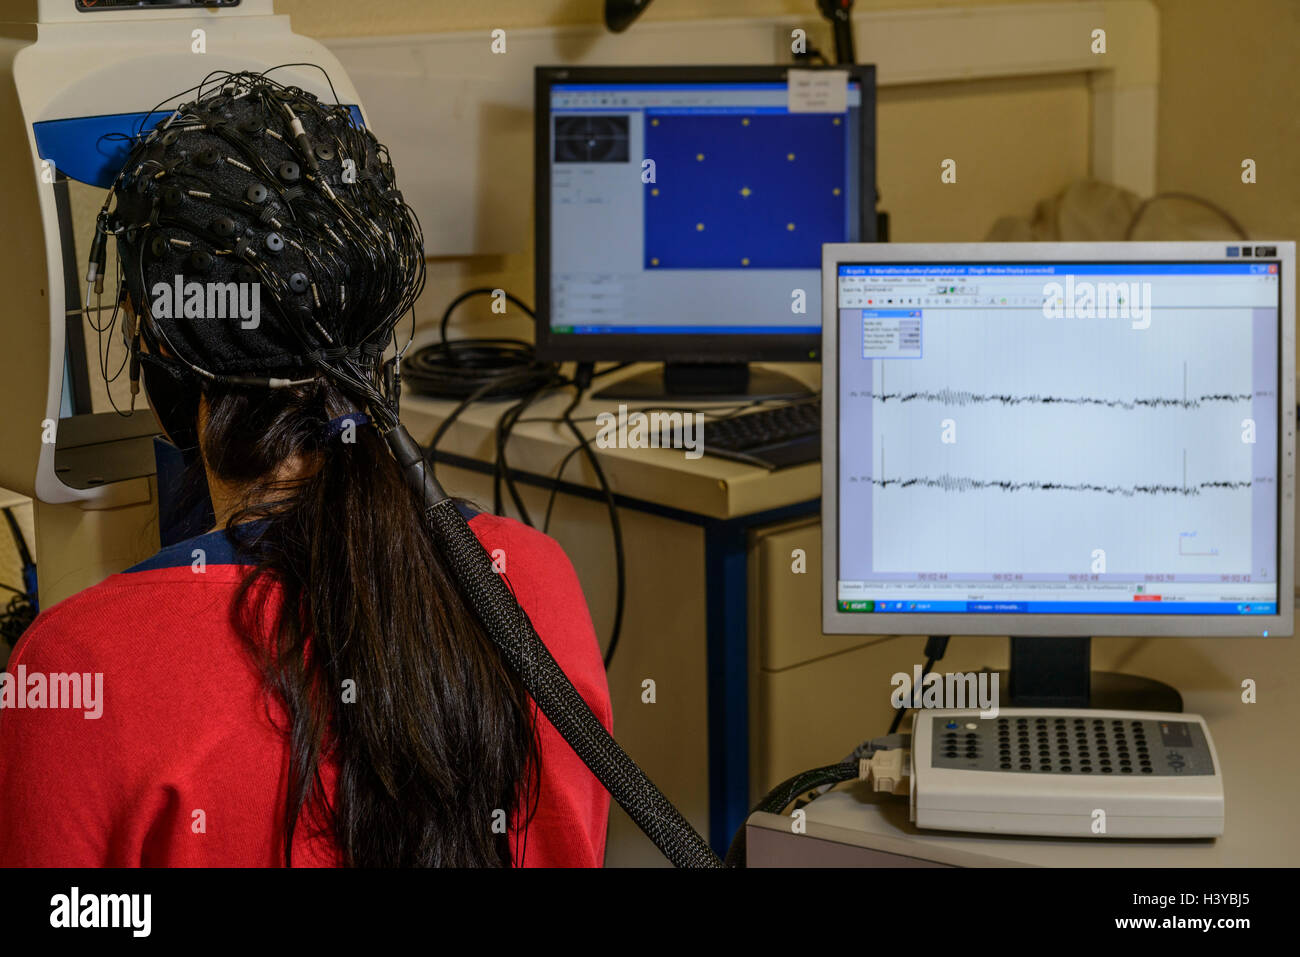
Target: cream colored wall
x,y
382,17
1230,90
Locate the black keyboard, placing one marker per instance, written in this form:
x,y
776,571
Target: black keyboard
x,y
776,438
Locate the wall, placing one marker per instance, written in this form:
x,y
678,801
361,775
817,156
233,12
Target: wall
x,y
347,18
1230,89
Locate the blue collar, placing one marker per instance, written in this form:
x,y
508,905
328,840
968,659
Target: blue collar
x,y
217,549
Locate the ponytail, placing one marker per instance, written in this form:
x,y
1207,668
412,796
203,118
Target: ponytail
x,y
365,641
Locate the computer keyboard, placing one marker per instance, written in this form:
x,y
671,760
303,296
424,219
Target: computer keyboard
x,y
777,438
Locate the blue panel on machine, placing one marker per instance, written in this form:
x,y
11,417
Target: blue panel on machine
x,y
91,149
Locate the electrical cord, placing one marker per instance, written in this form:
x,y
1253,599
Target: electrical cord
x,y
484,368
817,780
470,294
582,381
501,467
456,368
501,476
717,414
22,607
776,800
935,646
584,447
507,624
489,594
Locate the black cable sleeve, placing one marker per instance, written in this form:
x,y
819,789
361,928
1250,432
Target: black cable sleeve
x,y
550,688
510,629
775,801
411,458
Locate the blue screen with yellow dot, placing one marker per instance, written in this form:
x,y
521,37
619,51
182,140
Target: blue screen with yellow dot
x,y
761,190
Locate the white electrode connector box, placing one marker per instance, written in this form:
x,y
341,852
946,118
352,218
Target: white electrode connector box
x,y
1066,773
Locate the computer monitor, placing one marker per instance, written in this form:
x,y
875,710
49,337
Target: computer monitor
x,y
681,213
1058,439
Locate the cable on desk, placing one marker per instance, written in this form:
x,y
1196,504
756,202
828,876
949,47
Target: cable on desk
x,y
485,390
935,646
776,800
582,381
818,780
501,471
559,477
485,368
501,467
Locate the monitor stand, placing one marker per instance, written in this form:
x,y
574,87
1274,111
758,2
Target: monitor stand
x,y
1056,673
706,382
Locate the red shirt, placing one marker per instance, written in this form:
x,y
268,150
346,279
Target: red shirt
x,y
183,766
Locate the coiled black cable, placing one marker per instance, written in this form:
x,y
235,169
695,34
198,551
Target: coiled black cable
x,y
484,367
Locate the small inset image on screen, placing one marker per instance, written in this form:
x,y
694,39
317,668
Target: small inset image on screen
x,y
591,139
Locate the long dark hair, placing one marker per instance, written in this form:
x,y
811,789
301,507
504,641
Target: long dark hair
x,y
378,662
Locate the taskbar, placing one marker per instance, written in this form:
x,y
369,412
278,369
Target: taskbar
x,y
1059,607
654,330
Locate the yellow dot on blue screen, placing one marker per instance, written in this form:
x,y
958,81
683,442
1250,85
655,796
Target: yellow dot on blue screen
x,y
835,191
699,157
745,191
836,121
744,262
789,156
656,122
745,121
789,226
699,227
655,191
654,262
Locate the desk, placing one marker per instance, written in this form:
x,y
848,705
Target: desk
x,y
851,826
723,500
